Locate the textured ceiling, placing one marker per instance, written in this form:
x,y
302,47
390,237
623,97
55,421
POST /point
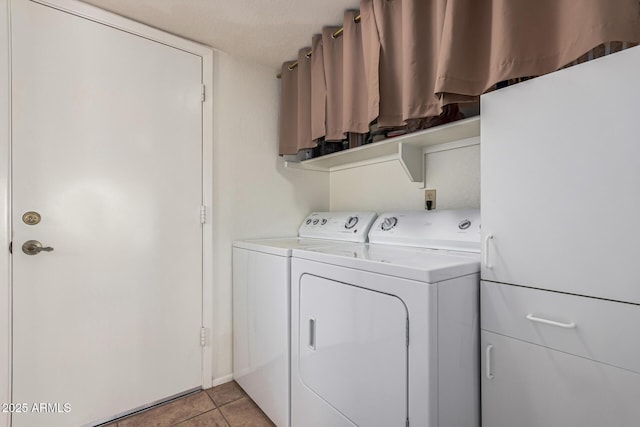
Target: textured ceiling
x,y
266,31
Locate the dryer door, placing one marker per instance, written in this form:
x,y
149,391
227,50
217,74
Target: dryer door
x,y
352,350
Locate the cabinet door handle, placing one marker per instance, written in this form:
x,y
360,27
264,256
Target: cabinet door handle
x,y
487,362
570,325
485,250
312,333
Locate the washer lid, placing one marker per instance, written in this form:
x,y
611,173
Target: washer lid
x,y
426,265
457,230
282,246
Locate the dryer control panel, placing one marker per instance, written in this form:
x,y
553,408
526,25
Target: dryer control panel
x,y
446,229
346,226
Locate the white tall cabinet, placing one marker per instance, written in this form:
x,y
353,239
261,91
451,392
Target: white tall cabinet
x,y
560,226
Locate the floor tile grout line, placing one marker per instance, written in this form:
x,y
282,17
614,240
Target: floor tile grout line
x,y
216,406
195,416
231,401
222,413
225,418
177,399
211,398
204,412
157,406
244,394
261,412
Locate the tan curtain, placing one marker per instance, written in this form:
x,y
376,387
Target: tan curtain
x,y
411,59
486,42
422,22
288,110
332,54
401,39
355,115
371,58
304,101
387,18
295,105
318,90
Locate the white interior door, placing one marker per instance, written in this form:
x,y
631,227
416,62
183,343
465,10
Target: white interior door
x,y
107,148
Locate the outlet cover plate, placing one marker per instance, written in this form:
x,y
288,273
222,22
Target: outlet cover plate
x,y
430,195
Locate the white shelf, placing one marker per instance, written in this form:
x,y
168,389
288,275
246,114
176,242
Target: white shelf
x,y
408,149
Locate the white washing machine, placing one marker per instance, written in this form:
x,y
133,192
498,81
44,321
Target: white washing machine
x,y
261,304
386,333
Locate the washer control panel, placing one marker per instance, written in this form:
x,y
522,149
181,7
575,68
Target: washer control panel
x,y
346,226
443,229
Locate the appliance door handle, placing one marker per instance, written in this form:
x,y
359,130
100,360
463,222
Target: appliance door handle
x,y
485,250
570,325
312,333
487,362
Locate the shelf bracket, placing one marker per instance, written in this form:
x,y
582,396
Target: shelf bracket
x,y
412,160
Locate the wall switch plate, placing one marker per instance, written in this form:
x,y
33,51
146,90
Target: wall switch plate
x,y
430,199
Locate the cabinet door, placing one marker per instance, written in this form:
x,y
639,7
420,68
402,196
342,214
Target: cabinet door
x,y
527,385
560,167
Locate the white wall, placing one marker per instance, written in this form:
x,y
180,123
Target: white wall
x,y
254,195
377,187
455,174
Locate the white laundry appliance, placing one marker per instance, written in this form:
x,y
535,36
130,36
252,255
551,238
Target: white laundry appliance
x,y
261,304
386,333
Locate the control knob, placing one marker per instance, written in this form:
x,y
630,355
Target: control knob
x,y
389,223
351,222
464,224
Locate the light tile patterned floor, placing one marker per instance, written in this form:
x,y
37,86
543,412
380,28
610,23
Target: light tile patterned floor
x,y
226,405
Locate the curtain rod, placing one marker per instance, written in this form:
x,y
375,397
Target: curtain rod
x,y
335,35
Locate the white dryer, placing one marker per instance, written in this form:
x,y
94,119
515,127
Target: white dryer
x,y
261,304
386,333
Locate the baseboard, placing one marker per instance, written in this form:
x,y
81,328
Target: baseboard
x,y
222,380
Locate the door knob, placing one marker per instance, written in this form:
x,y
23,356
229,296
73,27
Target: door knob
x,y
33,247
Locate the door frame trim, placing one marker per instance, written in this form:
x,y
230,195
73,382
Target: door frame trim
x,y
5,211
124,24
